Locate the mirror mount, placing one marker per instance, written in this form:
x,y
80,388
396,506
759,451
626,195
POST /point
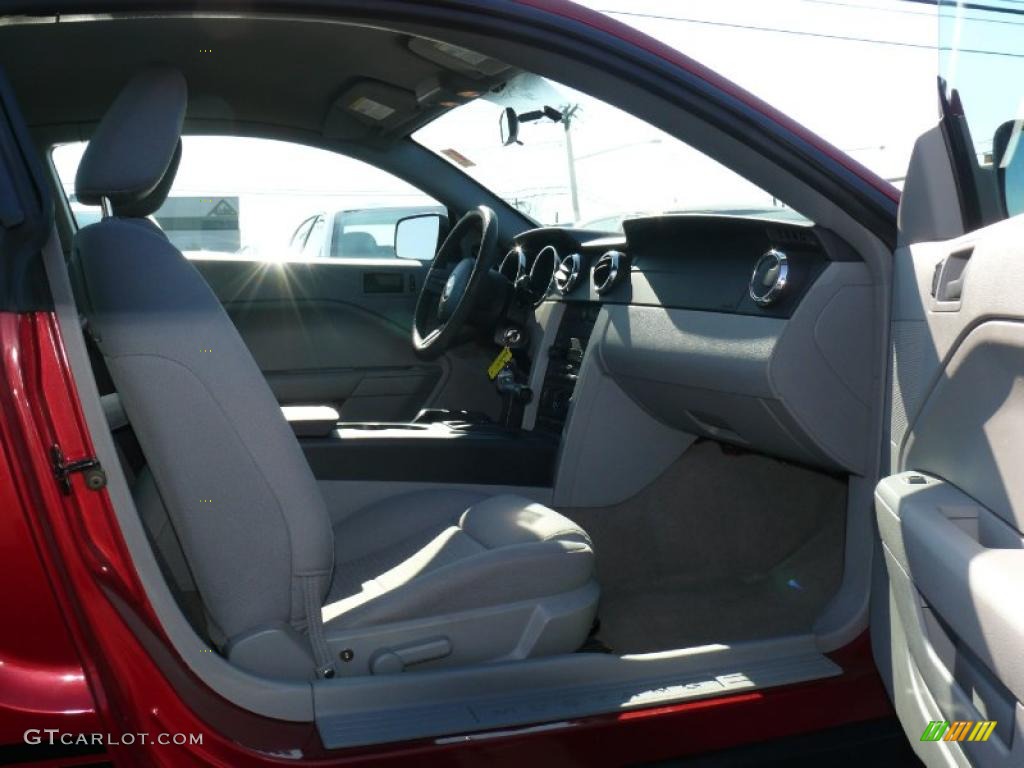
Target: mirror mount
x,y
509,121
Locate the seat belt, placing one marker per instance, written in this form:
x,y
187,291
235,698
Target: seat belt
x,y
315,628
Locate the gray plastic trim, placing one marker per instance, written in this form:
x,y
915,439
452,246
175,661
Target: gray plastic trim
x,y
846,614
802,388
929,206
917,710
979,385
276,651
496,633
611,447
937,567
924,334
463,703
544,323
954,419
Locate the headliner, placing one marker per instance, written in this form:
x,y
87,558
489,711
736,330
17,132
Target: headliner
x,y
281,72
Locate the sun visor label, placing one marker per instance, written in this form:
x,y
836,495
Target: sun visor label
x,y
472,58
372,109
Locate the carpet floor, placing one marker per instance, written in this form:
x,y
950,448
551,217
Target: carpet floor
x,y
723,547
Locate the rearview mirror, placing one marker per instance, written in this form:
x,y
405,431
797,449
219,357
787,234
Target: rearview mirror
x,y
1008,161
417,237
509,124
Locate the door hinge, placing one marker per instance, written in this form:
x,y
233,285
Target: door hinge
x,y
95,477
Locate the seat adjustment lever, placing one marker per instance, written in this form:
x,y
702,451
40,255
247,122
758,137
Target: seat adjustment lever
x,y
390,661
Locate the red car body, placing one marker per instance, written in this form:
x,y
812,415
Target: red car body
x,y
85,653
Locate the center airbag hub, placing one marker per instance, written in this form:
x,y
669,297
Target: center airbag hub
x,y
454,289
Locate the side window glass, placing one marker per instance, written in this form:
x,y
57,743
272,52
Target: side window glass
x,y
263,200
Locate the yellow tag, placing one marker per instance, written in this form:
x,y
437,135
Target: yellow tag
x,y
499,362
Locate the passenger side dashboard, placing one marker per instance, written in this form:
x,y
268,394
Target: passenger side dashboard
x,y
684,332
699,262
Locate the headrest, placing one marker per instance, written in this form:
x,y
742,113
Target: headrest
x,y
356,243
134,153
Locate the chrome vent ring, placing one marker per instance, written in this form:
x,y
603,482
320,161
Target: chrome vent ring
x,y
609,271
769,279
568,273
513,266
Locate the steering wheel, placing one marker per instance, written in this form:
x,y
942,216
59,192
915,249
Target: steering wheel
x,y
454,284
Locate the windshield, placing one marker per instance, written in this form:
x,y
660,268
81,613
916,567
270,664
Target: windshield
x,y
581,162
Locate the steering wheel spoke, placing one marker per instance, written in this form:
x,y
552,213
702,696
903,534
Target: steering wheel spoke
x,y
435,280
431,337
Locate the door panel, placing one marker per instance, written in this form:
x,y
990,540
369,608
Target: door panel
x,y
331,332
951,516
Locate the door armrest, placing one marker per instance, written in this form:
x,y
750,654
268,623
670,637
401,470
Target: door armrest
x,y
311,420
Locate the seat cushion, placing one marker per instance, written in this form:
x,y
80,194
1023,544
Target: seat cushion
x,y
438,552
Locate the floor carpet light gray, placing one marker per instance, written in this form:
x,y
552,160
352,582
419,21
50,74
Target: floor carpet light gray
x,y
723,547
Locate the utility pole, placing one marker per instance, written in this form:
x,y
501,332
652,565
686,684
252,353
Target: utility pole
x,y
567,115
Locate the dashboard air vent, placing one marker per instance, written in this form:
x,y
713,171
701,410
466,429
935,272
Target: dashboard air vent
x,y
770,278
609,271
568,273
792,235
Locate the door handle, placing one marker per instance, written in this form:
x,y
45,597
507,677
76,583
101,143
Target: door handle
x,y
384,282
949,276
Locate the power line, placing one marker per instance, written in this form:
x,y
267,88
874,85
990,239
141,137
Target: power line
x,y
923,14
800,33
854,6
973,6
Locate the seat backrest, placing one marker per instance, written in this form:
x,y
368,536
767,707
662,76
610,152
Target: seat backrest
x,y
237,487
353,244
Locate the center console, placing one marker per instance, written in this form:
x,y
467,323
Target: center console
x,y
459,452
565,357
457,447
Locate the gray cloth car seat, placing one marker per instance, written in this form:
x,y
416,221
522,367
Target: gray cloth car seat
x,y
429,578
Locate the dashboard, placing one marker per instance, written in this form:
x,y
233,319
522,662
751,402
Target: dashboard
x,y
711,263
737,329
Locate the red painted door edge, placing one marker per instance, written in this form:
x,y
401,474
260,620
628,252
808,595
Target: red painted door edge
x,y
42,680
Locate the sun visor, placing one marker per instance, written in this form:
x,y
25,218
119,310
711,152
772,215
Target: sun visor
x,y
457,59
368,108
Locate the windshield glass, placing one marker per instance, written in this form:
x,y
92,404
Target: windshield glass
x,y
581,162
859,73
